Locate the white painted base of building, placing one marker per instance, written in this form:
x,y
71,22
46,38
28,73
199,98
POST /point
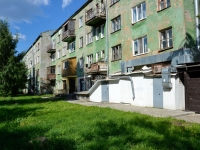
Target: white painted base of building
x,y
148,92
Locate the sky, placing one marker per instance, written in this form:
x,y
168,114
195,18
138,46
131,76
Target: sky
x,y
28,18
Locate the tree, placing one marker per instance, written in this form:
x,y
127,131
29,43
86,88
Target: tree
x,y
13,72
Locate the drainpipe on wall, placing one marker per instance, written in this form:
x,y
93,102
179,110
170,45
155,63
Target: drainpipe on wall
x,y
107,48
196,2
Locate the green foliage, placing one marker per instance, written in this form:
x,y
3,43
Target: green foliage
x,y
12,70
35,123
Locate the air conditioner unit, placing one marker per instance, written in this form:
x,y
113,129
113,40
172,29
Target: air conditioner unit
x,y
157,69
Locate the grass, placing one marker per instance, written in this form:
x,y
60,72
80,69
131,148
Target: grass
x,y
30,122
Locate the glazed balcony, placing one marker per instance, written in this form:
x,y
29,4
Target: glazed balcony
x,y
51,48
69,68
95,16
98,67
69,35
69,31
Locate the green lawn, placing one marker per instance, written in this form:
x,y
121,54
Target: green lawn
x,y
29,122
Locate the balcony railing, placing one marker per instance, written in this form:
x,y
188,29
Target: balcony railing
x,y
94,16
97,67
68,35
51,48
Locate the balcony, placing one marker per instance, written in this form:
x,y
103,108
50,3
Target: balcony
x,y
69,68
51,73
95,16
51,48
98,67
68,34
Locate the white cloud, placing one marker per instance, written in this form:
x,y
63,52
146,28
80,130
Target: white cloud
x,y
42,2
16,27
20,36
65,3
21,10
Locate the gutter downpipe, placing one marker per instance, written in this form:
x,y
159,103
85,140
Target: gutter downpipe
x,y
107,52
197,23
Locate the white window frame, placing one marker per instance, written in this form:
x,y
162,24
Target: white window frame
x,y
97,33
89,38
59,69
163,4
81,21
53,56
59,54
139,12
167,38
102,30
116,24
140,46
103,54
72,47
117,50
81,42
98,56
64,51
90,59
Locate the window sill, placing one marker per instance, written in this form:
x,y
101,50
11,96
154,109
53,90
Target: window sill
x,y
138,21
141,54
114,3
116,60
115,31
163,9
89,43
161,50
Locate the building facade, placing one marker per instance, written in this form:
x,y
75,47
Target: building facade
x,y
36,60
135,52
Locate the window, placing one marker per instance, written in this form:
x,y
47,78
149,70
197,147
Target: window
x,y
139,12
58,38
166,39
102,31
162,4
53,56
59,69
65,64
89,38
38,45
97,56
116,52
81,62
81,42
81,21
71,47
97,33
116,24
38,59
53,70
140,46
54,43
102,54
64,51
89,60
113,2
59,86
59,54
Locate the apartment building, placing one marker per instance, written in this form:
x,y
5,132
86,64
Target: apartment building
x,y
36,60
138,52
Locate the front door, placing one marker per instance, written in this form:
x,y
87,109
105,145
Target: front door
x,y
157,93
72,85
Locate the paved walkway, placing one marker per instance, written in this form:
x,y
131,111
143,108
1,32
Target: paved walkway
x,y
178,114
